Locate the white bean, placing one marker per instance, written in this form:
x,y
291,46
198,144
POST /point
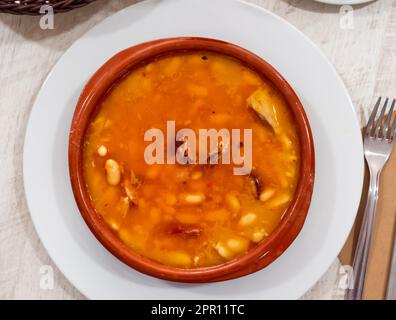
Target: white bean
x,y
233,203
223,251
178,259
238,245
102,151
196,260
259,235
114,225
192,198
280,200
247,219
267,194
113,172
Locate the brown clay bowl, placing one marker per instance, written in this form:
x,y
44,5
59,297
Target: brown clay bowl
x,y
257,258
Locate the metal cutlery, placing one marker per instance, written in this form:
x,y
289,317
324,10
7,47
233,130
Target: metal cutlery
x,y
379,140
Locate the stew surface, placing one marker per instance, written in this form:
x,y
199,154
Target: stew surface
x,y
193,215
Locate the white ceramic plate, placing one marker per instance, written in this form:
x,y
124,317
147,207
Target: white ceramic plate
x,y
344,2
83,260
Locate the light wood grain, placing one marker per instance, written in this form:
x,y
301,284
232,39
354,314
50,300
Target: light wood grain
x,y
364,57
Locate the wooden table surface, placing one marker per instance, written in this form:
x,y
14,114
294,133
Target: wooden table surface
x,y
364,55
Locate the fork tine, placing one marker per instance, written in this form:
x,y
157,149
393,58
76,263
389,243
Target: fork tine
x,y
393,131
380,121
388,134
370,124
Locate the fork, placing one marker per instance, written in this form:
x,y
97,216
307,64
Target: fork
x,y
378,145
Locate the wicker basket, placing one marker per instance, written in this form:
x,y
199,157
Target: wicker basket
x,y
32,7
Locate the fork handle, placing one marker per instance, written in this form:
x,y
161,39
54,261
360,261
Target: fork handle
x,y
360,260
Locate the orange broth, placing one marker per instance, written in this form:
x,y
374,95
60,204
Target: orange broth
x,y
190,216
